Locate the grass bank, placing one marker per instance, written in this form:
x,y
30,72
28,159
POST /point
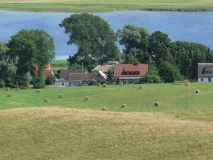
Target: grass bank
x,y
105,6
56,133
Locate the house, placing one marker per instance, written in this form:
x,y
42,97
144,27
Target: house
x,y
76,79
129,73
110,65
205,72
47,71
64,73
100,76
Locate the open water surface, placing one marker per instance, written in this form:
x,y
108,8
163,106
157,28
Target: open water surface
x,y
185,26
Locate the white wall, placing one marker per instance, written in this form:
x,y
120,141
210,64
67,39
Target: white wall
x,y
59,84
205,80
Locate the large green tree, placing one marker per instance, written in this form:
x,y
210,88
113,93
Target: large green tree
x,y
30,48
93,37
158,44
135,39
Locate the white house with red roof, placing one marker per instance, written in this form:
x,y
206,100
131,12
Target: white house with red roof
x,y
129,73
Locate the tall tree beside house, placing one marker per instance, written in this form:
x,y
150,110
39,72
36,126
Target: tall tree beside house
x,y
110,75
158,44
135,39
93,37
31,50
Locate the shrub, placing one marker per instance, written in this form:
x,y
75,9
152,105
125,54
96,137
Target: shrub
x,y
92,82
50,80
38,82
2,83
104,81
148,78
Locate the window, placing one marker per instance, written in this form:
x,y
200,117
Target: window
x,y
201,79
62,84
127,72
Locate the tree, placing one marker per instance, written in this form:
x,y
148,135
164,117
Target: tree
x,y
110,75
158,43
152,67
31,50
148,78
169,72
135,40
50,80
93,37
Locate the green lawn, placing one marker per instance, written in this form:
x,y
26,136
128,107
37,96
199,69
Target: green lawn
x,y
181,127
103,6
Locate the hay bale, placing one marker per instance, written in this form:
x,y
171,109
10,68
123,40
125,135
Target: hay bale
x,y
37,91
86,98
124,105
141,87
104,85
7,89
198,91
9,95
187,84
61,96
156,103
17,89
46,100
104,109
0,94
98,84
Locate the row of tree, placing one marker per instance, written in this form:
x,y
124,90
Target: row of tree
x,y
96,43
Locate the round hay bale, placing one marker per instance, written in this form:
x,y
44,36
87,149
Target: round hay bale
x,y
17,89
141,87
98,84
37,91
104,109
0,94
198,91
124,105
156,103
46,100
187,84
61,96
104,85
9,95
86,98
7,89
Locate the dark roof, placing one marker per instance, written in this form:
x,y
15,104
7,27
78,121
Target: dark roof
x,y
65,72
119,68
203,67
81,76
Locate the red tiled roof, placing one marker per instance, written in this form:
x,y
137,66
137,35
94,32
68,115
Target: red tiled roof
x,y
132,68
48,72
119,70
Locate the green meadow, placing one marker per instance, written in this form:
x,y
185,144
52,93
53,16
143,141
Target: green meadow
x,y
105,6
72,128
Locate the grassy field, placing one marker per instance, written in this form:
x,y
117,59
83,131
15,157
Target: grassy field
x,y
181,127
103,6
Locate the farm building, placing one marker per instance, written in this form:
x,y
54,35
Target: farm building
x,y
205,72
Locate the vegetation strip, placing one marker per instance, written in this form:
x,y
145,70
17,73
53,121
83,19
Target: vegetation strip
x,y
95,6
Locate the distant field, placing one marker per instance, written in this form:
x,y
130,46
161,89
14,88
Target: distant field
x,y
181,127
103,5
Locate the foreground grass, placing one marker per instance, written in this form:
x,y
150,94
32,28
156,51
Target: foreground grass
x,y
63,133
71,128
103,6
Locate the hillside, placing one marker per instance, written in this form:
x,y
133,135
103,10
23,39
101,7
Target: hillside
x,y
105,6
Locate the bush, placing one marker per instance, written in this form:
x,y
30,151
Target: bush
x,y
2,83
50,80
38,82
104,81
150,79
92,82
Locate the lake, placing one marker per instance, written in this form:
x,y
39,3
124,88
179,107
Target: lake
x,y
184,26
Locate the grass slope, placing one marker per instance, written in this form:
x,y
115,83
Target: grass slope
x,y
63,133
103,6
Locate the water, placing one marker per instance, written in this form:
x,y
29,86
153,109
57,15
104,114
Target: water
x,y
184,26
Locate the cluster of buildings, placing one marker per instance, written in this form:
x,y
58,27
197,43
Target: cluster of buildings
x,y
123,74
